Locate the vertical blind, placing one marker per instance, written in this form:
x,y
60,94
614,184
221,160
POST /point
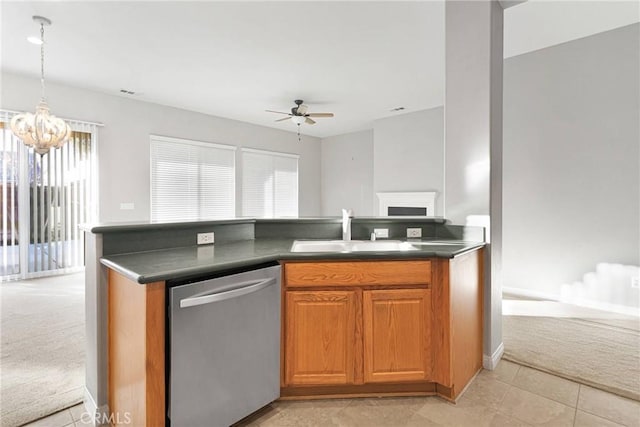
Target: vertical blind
x,y
269,184
44,200
191,180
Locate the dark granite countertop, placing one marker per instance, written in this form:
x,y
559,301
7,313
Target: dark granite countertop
x,y
193,261
115,227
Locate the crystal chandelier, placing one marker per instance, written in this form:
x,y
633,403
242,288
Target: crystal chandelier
x,y
41,130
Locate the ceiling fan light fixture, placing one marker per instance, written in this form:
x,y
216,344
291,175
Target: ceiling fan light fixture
x,y
298,119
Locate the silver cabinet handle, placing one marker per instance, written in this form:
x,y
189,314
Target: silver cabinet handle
x,y
244,289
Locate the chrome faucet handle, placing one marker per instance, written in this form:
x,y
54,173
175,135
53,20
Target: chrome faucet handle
x,y
347,214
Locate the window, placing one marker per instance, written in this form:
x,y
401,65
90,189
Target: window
x,y
191,180
269,184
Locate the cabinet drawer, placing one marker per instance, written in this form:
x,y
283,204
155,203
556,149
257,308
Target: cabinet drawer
x,y
358,273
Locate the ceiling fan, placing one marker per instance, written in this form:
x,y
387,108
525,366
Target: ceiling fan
x,y
299,114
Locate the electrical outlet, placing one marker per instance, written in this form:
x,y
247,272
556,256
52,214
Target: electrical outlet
x,y
381,233
126,206
635,282
205,238
413,233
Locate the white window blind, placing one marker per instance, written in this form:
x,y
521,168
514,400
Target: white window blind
x,y
269,184
191,180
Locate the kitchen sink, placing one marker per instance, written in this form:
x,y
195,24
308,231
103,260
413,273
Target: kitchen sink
x,y
320,246
350,246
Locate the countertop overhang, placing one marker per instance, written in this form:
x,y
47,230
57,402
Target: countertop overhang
x,y
192,261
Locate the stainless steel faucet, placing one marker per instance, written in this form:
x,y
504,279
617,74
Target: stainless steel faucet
x,y
347,215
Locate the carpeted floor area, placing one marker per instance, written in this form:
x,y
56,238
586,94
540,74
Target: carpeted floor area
x,y
43,346
603,353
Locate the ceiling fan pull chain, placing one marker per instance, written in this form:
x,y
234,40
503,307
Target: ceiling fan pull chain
x,y
299,140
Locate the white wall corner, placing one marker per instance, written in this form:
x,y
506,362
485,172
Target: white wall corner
x,y
509,3
489,362
94,415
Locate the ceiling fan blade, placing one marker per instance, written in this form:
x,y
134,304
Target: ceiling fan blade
x,y
280,120
279,112
319,115
309,121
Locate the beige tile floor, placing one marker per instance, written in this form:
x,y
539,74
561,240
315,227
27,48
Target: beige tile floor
x,y
512,395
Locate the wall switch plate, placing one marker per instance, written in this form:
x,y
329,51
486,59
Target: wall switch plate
x,y
126,206
206,238
635,282
413,233
381,233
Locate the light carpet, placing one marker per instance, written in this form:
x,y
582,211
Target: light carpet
x,y
596,352
43,346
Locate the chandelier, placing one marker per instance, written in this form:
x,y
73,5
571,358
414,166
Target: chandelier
x,y
41,130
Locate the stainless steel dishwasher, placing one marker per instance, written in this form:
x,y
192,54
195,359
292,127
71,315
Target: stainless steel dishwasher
x,y
224,339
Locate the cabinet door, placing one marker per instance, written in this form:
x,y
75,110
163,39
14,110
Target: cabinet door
x,y
320,337
397,333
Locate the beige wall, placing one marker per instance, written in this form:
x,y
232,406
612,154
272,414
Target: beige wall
x,y
123,144
408,154
347,173
400,153
571,160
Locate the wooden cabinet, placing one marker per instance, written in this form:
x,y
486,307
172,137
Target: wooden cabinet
x,y
356,323
372,328
321,332
397,330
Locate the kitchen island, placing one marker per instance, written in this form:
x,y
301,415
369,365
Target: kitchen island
x,y
384,322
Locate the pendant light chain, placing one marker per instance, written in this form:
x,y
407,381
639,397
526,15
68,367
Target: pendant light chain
x,y
41,130
42,59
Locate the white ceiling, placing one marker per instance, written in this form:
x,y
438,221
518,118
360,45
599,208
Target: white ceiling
x,y
236,59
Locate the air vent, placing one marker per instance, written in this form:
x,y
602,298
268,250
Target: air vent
x,y
127,92
397,109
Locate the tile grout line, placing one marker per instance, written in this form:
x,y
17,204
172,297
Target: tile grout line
x,y
575,414
550,398
547,397
498,410
510,387
599,415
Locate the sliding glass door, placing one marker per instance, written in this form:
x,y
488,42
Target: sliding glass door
x,y
9,223
44,199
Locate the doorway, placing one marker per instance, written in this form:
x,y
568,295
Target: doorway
x,y
44,200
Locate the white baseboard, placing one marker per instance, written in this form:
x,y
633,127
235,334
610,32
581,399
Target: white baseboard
x,y
93,413
597,305
490,362
527,293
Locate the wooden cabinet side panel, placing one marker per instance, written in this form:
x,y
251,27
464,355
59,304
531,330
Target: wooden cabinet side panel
x,y
397,335
441,324
155,357
320,337
467,328
388,273
136,340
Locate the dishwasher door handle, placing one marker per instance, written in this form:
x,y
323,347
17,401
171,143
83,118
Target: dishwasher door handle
x,y
244,289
